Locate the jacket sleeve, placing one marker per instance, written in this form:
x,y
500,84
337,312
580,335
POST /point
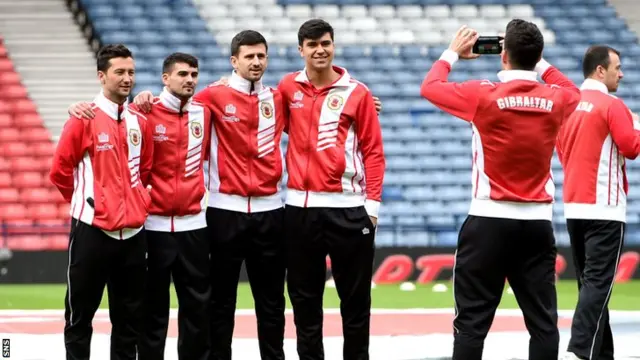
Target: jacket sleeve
x,y
369,134
146,155
208,123
284,105
570,92
71,148
621,127
458,99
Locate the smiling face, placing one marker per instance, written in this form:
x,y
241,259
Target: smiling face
x,y
318,53
118,79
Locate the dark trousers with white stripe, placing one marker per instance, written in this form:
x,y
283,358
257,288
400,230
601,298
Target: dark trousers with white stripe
x,y
96,260
184,257
490,251
596,246
257,239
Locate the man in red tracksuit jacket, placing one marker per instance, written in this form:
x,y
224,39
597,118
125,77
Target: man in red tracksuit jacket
x,y
335,163
102,167
177,226
508,233
592,147
245,215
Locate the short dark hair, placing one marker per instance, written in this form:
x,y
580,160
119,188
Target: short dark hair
x,y
178,58
523,43
247,37
597,55
314,29
111,51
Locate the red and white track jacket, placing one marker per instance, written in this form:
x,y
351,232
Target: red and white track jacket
x,y
180,136
245,162
335,156
592,148
102,167
515,124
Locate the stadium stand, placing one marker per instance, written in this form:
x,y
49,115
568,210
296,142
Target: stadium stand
x,y
389,45
27,199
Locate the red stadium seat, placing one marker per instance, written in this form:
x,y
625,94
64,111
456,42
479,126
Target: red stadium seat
x,y
5,180
6,65
26,242
57,242
5,107
36,134
10,78
64,211
27,180
5,164
19,164
3,52
44,148
13,212
9,134
28,121
42,211
38,196
6,120
9,196
14,149
24,106
14,92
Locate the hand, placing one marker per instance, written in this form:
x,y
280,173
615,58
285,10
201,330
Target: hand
x,y
81,110
149,189
374,221
143,100
463,41
378,104
635,117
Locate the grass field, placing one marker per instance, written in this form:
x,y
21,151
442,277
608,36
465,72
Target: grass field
x,y
626,296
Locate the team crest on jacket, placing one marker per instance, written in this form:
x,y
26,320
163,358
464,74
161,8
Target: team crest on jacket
x,y
196,129
334,102
134,136
267,110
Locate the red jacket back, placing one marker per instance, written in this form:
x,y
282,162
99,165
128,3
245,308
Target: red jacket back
x,y
335,156
514,128
245,162
180,139
592,147
102,166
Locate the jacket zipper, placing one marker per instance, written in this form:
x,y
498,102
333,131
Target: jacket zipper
x,y
306,174
122,128
178,148
255,116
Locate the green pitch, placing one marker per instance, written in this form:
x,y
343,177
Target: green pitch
x,y
626,296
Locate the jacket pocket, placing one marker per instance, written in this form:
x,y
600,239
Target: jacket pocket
x,y
146,197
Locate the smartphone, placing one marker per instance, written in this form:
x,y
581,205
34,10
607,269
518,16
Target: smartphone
x,y
488,45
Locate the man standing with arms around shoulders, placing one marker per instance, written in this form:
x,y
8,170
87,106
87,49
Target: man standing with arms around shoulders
x,y
245,215
508,233
178,245
102,167
592,148
336,164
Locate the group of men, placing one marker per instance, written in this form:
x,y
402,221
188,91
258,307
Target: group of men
x,y
144,212
118,162
516,125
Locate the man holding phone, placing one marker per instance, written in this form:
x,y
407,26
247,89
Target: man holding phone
x,y
508,232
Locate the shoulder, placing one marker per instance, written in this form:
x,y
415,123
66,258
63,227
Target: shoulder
x,y
288,80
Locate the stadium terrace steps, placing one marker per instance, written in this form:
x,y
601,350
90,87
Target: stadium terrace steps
x,y
630,11
51,55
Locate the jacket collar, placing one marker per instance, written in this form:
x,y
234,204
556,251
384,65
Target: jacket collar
x,y
110,108
591,84
172,102
511,75
344,80
243,85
